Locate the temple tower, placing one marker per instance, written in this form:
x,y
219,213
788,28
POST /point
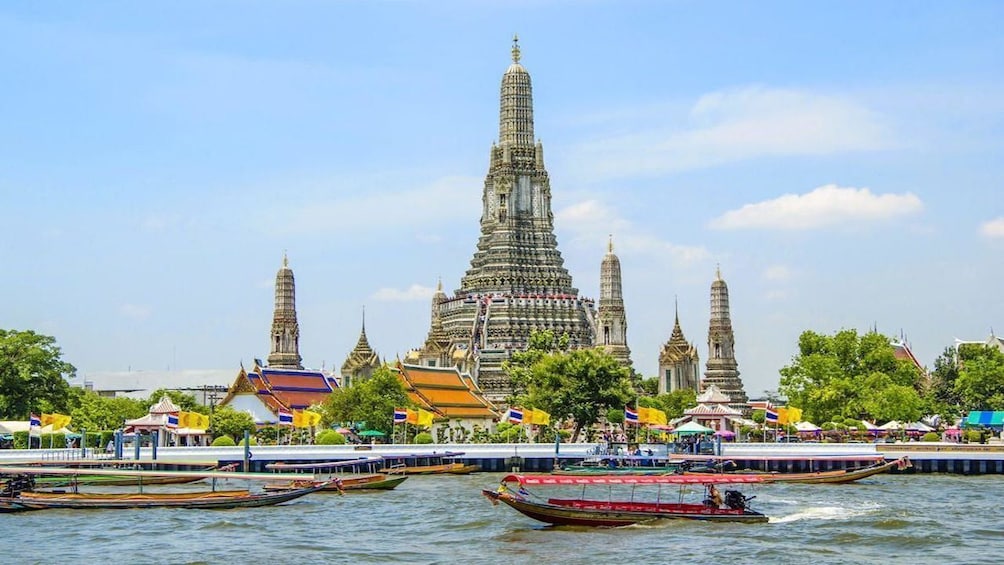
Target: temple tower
x,y
361,361
517,281
437,350
285,337
722,370
679,362
611,321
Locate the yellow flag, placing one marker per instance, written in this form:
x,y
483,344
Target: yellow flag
x,y
412,416
658,416
203,422
782,415
312,418
794,414
424,417
540,417
47,419
183,420
298,419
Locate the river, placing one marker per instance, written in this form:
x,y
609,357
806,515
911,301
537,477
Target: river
x,y
444,519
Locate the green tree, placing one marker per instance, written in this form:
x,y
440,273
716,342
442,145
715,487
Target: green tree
x,y
650,386
674,403
847,375
519,367
230,422
95,412
580,385
183,400
940,396
372,401
32,375
980,384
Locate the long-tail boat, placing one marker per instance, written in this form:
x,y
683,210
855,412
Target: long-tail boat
x,y
840,476
340,483
608,511
428,464
16,499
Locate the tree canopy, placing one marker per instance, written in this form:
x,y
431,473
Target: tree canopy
x,y
229,422
851,376
371,400
32,375
581,384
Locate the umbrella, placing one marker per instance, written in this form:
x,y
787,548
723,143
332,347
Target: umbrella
x,y
725,433
372,433
343,430
693,428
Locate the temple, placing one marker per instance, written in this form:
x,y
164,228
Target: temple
x,y
722,370
361,361
679,362
452,396
263,391
285,337
611,320
517,281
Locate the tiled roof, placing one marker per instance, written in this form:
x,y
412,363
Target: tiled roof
x,y
445,391
290,389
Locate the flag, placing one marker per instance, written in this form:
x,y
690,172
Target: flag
x,y
285,417
411,417
424,417
630,416
184,420
794,414
311,419
782,415
656,416
172,420
203,421
34,421
515,416
57,421
298,419
48,419
400,416
539,417
770,415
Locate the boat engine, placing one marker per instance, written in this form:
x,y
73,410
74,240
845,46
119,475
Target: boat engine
x,y
16,484
736,500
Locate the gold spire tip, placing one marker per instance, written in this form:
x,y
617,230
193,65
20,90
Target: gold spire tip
x,y
515,48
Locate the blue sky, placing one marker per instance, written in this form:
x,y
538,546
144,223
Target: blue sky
x,y
842,162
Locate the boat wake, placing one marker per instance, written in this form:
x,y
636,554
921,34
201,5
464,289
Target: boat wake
x,y
820,513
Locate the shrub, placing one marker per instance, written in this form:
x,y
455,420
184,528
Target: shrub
x,y
424,437
329,437
224,441
974,436
931,436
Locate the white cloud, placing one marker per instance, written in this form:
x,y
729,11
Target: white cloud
x,y
135,311
777,273
993,228
734,125
410,294
593,222
825,206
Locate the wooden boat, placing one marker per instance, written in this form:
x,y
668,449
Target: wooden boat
x,y
92,476
348,483
206,499
610,512
428,464
618,465
840,476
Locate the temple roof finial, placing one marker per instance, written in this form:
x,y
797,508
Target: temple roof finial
x,y
515,48
439,286
610,244
364,318
285,259
718,271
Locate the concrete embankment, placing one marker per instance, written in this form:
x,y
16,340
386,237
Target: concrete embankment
x,y
540,457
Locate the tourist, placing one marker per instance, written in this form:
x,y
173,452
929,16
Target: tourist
x,y
714,497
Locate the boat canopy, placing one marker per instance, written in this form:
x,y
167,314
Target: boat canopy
x,y
325,465
698,479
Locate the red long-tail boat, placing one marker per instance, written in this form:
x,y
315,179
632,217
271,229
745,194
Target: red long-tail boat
x,y
625,506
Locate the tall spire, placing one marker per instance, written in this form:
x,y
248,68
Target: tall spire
x,y
722,370
362,360
516,105
679,362
517,281
285,335
611,319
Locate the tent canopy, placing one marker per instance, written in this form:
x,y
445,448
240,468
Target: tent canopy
x,y
372,433
692,428
807,427
985,418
